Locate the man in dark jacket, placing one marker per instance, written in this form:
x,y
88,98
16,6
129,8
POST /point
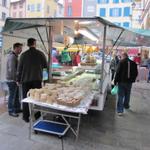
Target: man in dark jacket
x,y
125,75
12,62
31,65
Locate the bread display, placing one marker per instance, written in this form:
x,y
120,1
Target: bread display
x,y
67,95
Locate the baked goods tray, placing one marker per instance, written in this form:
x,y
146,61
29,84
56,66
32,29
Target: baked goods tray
x,y
82,108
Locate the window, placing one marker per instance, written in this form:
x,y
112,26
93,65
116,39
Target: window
x,y
90,8
103,1
126,1
102,12
29,7
127,11
1,40
0,30
21,5
115,12
14,15
32,8
20,14
115,1
38,7
3,16
126,24
14,6
69,11
48,9
4,3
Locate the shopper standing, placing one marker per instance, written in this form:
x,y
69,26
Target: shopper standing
x,y
11,72
113,65
125,75
30,68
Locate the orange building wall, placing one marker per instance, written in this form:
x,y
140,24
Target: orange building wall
x,y
76,8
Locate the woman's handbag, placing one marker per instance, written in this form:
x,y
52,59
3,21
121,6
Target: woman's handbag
x,y
114,91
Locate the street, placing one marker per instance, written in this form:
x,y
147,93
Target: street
x,y
98,131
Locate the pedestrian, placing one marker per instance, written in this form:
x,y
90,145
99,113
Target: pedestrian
x,y
125,75
30,68
148,66
11,73
137,59
113,65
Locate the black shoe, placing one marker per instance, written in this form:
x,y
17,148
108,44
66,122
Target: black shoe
x,y
26,119
126,107
37,115
13,114
19,111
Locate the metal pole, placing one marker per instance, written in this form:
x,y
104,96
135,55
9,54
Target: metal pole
x,y
103,59
50,55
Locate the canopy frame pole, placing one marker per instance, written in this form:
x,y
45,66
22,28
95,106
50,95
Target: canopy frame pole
x,y
50,54
45,49
103,59
116,42
117,39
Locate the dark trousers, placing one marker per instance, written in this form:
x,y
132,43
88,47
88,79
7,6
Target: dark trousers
x,y
13,100
112,74
124,90
25,88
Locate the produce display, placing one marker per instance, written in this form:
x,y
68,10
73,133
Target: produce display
x,y
87,81
89,61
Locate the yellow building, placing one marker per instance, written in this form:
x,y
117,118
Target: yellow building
x,y
41,8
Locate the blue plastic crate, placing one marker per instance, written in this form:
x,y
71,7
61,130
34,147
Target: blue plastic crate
x,y
51,127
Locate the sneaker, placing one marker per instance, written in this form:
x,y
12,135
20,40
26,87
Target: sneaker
x,y
120,114
26,119
13,114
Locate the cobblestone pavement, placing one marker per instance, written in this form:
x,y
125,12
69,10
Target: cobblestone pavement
x,y
98,131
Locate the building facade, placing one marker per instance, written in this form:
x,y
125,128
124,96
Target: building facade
x,y
145,18
4,13
72,8
137,10
18,9
116,11
41,8
60,8
89,8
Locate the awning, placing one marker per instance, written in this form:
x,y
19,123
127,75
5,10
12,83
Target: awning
x,y
91,31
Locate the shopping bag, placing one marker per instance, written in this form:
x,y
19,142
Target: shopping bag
x,y
114,91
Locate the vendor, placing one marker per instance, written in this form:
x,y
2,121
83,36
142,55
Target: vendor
x,y
65,57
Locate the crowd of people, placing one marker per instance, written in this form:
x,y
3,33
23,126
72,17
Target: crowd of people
x,y
27,73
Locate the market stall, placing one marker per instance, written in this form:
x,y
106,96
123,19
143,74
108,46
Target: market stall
x,y
89,80
83,32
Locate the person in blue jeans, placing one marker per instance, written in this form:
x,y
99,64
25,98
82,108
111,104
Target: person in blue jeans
x,y
148,66
11,72
125,75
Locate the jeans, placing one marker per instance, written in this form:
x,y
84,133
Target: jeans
x,y
124,90
13,100
25,88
